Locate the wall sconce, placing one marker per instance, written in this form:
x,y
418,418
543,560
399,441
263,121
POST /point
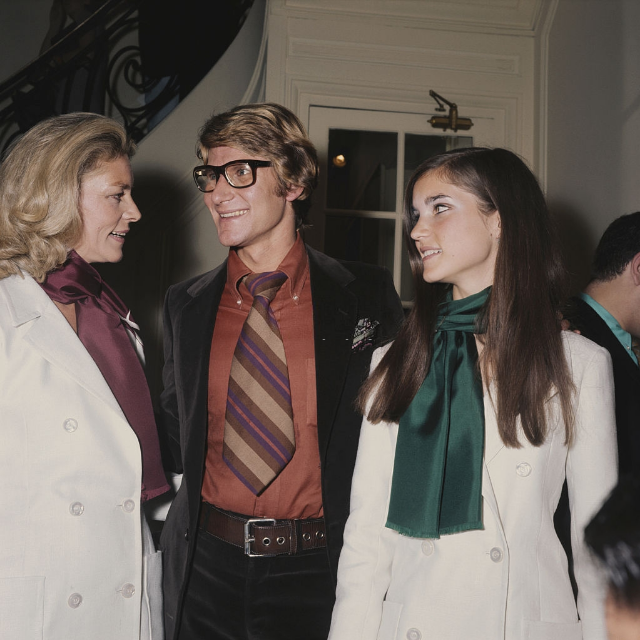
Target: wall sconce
x,y
339,161
452,121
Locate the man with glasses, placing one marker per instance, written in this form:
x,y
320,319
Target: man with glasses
x,y
264,357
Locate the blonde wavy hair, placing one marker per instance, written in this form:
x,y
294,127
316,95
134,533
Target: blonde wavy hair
x,y
40,182
273,132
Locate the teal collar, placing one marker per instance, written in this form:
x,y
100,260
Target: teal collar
x,y
624,337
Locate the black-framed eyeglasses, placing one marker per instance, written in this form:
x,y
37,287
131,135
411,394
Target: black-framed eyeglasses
x,y
240,174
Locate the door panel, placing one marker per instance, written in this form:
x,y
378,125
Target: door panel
x,y
366,158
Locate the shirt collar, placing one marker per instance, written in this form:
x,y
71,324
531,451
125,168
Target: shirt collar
x,y
624,337
295,264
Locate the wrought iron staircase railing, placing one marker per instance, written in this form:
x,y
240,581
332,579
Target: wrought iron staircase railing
x,y
97,65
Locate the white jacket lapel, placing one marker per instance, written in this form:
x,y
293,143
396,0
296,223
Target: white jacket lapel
x,y
492,442
41,324
492,446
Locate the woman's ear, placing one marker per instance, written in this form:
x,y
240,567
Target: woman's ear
x,y
495,224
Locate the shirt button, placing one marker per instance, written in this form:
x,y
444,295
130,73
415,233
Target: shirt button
x,y
239,302
496,554
129,506
76,508
75,600
70,425
427,547
295,297
523,469
128,590
414,634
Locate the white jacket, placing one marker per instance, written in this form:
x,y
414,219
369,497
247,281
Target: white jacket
x,y
508,581
71,538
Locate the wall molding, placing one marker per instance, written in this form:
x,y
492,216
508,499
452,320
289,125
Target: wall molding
x,y
488,16
404,56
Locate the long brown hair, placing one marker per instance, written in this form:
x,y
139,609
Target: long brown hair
x,y
522,339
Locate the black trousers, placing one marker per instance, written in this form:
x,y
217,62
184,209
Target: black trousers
x,y
231,596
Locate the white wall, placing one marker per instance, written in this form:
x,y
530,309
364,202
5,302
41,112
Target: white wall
x,y
593,121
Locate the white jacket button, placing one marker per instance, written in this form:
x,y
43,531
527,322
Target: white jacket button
x,y
496,554
523,469
75,600
129,506
413,634
427,547
76,508
70,425
127,590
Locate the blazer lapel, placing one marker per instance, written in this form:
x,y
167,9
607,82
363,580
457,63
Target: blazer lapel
x,y
492,442
489,496
335,313
40,323
493,445
194,328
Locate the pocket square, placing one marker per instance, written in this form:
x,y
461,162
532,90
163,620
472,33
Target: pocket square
x,y
364,334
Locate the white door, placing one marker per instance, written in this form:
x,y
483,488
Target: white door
x,y
366,159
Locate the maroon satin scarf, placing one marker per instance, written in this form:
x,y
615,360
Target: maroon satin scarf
x,y
101,329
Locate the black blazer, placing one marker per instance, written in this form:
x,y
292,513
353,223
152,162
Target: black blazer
x,y
626,377
342,294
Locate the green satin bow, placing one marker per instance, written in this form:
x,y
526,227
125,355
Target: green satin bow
x,y
437,476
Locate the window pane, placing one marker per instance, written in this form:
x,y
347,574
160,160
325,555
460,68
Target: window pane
x,y
362,170
362,239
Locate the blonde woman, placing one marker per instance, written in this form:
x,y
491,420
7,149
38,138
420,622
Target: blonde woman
x,y
79,451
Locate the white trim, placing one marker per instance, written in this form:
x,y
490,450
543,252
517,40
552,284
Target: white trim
x,y
404,56
542,98
505,17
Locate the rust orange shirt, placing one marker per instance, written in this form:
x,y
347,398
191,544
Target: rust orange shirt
x,y
296,492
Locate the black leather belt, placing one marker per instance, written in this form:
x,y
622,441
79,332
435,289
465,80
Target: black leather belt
x,y
263,536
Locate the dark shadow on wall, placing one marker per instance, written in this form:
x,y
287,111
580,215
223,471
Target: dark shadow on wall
x,y
577,241
152,247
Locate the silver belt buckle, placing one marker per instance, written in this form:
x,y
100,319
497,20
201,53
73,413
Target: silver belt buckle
x,y
248,538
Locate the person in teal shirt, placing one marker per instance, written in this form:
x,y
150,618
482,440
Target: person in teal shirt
x,y
608,313
624,337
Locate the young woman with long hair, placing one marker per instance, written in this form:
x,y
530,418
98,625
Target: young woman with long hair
x,y
474,417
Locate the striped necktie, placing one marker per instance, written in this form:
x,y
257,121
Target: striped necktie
x,y
259,438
